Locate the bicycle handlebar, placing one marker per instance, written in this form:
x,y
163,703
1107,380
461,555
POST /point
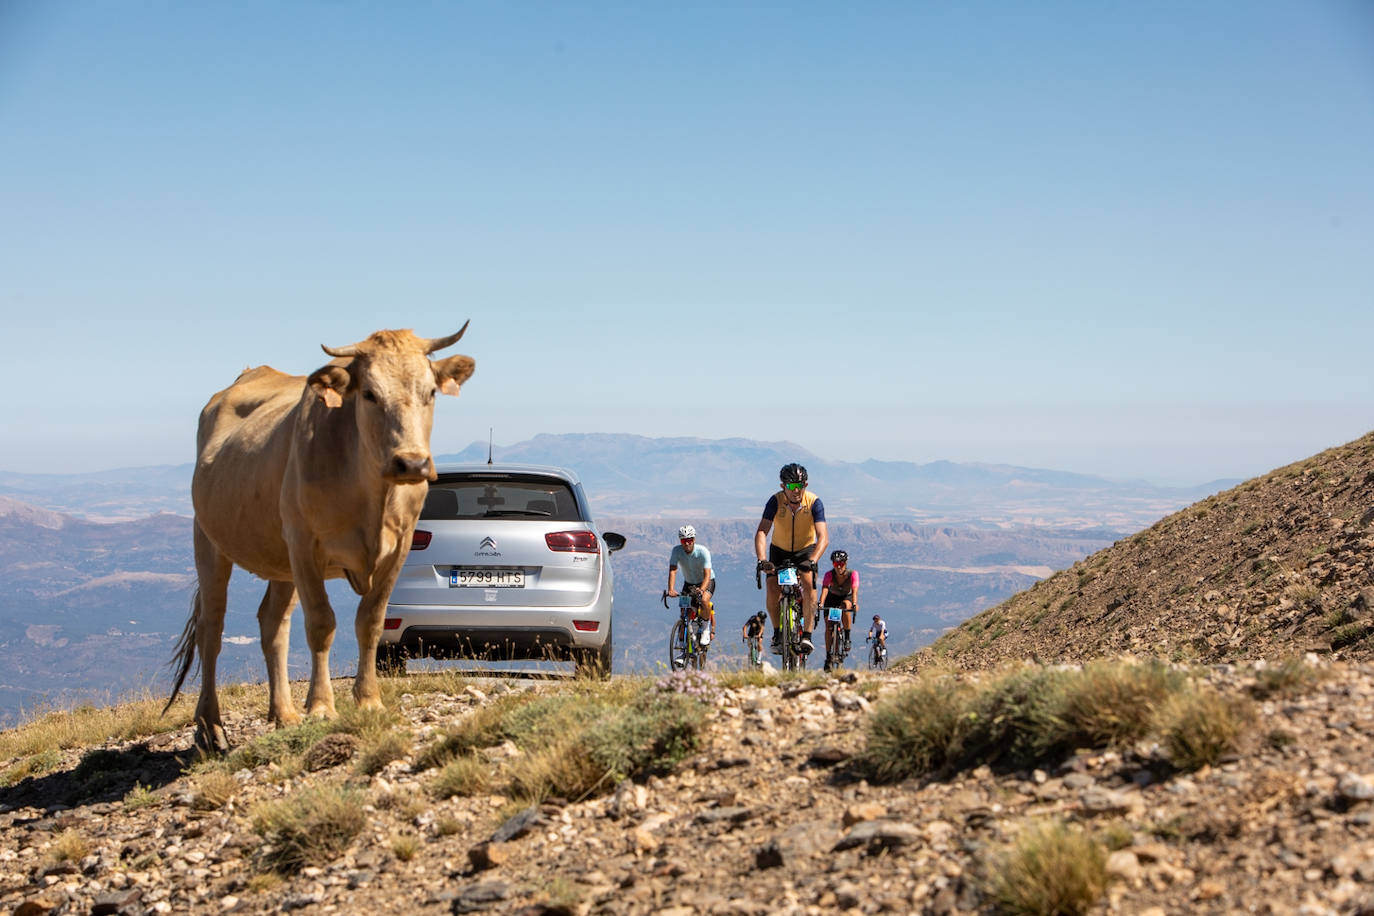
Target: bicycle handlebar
x,y
764,565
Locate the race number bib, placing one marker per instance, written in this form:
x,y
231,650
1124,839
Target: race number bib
x,y
787,575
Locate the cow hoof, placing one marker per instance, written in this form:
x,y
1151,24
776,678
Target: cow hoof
x,y
323,711
286,720
212,741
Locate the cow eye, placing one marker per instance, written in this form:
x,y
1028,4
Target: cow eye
x,y
432,393
369,395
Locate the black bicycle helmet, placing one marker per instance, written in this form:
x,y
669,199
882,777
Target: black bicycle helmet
x,y
792,473
839,556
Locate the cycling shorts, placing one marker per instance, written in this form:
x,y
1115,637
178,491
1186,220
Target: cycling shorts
x,y
779,557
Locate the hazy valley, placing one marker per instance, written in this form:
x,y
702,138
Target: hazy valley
x,y
91,608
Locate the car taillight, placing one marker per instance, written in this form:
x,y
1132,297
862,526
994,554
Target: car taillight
x,y
420,540
572,542
391,623
587,626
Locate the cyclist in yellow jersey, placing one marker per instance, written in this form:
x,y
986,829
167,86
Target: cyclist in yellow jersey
x,y
796,519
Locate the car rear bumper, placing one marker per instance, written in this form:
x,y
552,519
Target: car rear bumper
x,y
498,634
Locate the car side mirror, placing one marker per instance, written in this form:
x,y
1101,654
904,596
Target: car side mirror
x,y
613,541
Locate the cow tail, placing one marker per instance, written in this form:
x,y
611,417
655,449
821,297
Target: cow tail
x,y
185,651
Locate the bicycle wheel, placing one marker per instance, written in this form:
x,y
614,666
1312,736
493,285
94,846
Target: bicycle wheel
x,y
676,649
787,623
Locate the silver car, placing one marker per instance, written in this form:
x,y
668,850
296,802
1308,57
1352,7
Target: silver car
x,y
506,564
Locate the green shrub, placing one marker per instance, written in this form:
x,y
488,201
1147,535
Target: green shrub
x,y
917,730
277,745
140,796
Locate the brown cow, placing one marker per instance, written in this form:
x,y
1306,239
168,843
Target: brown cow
x,y
299,480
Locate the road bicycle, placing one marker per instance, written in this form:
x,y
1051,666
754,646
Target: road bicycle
x,y
877,655
790,615
685,646
835,638
754,644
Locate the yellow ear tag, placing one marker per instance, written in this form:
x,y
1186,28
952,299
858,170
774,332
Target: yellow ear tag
x,y
449,387
331,398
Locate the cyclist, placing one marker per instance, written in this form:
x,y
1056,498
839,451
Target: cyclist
x,y
752,631
796,519
878,632
695,561
839,588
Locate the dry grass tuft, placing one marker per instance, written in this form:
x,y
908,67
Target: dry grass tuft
x,y
1199,727
311,827
465,776
1050,870
212,789
69,846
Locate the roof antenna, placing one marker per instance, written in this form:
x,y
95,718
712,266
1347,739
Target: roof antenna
x,y
489,445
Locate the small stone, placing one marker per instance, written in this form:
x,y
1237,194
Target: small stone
x,y
489,855
878,835
519,825
477,897
1124,865
863,811
1355,788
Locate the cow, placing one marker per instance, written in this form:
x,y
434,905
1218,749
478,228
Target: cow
x,y
300,479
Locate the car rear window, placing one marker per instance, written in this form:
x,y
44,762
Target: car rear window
x,y
501,497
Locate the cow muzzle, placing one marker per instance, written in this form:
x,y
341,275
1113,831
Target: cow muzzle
x,y
409,468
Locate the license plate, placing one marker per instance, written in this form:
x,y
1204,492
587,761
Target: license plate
x,y
486,578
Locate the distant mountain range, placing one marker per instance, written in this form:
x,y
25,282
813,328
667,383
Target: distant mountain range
x,y
712,479
91,608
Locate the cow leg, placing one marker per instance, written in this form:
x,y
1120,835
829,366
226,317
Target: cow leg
x,y
368,628
213,569
274,623
319,635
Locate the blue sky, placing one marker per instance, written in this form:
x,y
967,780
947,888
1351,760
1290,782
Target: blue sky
x,y
1126,239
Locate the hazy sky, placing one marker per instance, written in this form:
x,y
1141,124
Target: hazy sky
x,y
1127,239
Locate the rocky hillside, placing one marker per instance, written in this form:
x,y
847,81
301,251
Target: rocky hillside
x,y
1281,564
1248,786
763,812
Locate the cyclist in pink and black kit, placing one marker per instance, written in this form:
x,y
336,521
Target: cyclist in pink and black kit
x,y
840,588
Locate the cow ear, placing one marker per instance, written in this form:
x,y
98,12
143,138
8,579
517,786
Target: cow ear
x,y
451,373
330,383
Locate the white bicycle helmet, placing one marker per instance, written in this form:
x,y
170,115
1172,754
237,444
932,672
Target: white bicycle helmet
x,y
686,531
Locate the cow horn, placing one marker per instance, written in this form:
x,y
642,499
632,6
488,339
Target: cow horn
x,y
350,350
438,343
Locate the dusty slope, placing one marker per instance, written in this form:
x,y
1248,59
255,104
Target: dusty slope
x,y
1283,563
763,819
768,817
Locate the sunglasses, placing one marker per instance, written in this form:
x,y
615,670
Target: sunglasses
x,y
686,540
795,486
